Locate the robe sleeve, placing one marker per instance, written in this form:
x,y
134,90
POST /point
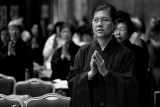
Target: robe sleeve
x,y
78,82
125,81
126,69
75,70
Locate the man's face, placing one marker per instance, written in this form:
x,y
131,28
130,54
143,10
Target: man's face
x,y
102,24
121,33
14,33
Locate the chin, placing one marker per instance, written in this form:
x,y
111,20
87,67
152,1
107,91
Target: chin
x,y
119,40
100,35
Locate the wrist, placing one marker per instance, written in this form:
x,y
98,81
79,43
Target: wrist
x,y
9,53
90,75
62,56
104,73
68,57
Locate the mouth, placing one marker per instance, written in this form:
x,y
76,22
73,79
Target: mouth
x,y
118,37
100,30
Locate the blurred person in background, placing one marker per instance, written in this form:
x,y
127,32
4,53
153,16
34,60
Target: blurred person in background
x,y
135,37
82,36
50,29
15,60
102,74
154,52
123,31
64,55
4,40
26,35
37,45
51,44
152,22
139,37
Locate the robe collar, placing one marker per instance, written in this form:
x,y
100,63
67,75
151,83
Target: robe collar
x,y
127,42
112,43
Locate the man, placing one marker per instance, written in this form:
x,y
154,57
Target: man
x,y
103,72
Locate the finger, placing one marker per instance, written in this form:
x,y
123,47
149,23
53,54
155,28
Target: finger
x,y
93,57
96,61
97,56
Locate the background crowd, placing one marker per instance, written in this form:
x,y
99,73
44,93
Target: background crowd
x,y
28,54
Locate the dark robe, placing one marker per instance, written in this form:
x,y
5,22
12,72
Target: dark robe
x,y
3,49
15,65
61,67
141,66
117,89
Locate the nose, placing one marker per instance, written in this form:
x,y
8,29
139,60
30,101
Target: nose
x,y
117,31
99,22
13,31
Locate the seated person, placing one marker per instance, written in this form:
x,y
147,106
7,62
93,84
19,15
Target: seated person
x,y
52,43
63,56
15,61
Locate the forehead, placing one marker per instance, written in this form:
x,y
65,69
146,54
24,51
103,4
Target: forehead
x,y
65,29
35,26
14,27
102,13
122,24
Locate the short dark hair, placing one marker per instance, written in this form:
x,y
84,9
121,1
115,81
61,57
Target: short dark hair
x,y
124,17
57,24
106,6
67,25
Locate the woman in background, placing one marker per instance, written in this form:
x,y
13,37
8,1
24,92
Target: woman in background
x,y
52,43
63,56
123,32
4,40
14,62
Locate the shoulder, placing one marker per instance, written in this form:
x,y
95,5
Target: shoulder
x,y
74,45
137,47
51,37
120,49
83,50
50,40
125,50
85,47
